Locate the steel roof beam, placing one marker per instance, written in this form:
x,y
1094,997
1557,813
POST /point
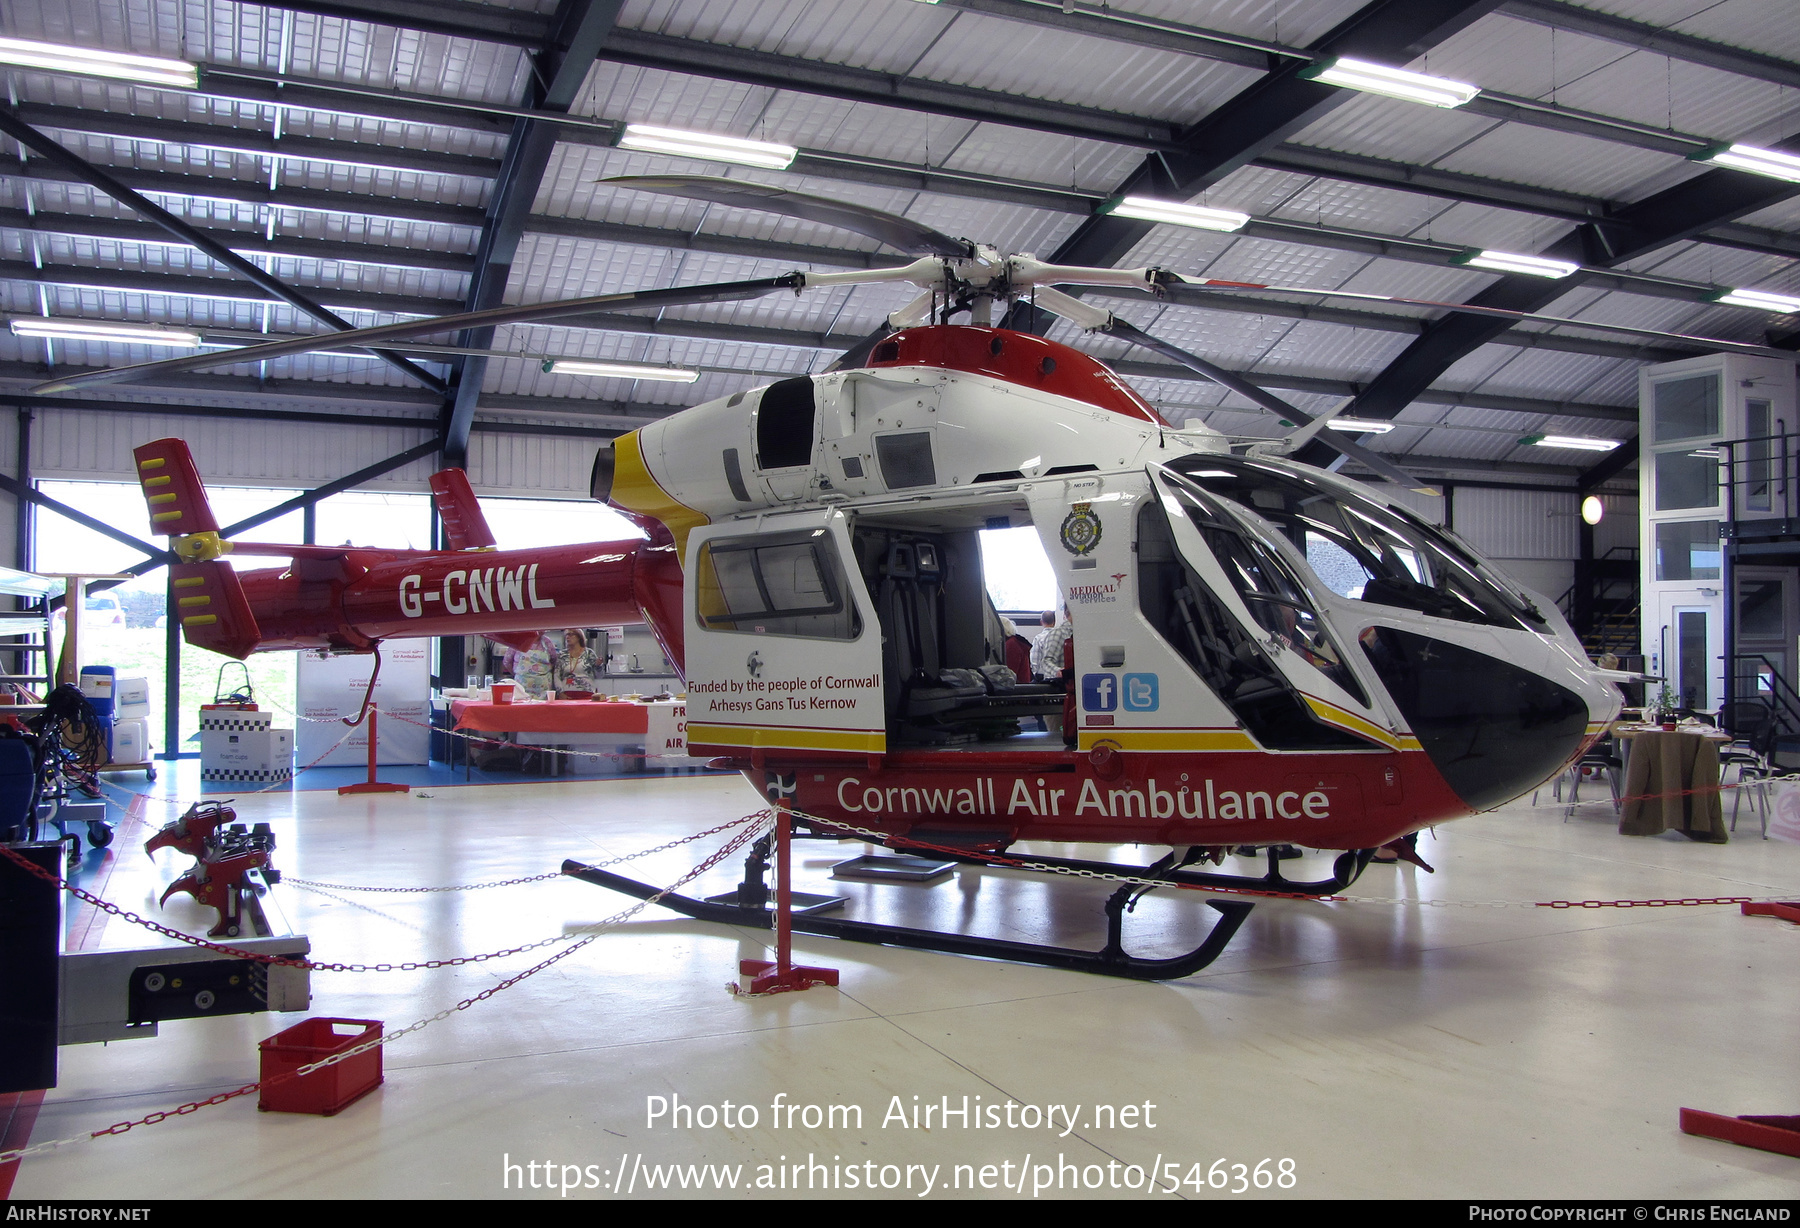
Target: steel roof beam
x,y
1260,118
488,23
248,192
1330,237
98,179
1125,27
1629,33
250,142
221,288
560,68
512,27
1299,159
694,57
1279,93
84,226
1617,461
1667,217
1468,188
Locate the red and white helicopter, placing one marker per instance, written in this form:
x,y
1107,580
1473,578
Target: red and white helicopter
x,y
1263,653
351,598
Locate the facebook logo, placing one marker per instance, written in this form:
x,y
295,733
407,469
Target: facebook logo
x,y
1140,692
1099,692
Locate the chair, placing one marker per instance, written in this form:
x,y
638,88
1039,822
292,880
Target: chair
x,y
1751,723
1602,756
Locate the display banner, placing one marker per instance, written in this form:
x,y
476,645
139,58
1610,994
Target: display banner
x,y
1784,811
330,688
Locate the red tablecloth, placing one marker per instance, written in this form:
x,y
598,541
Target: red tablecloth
x,y
551,716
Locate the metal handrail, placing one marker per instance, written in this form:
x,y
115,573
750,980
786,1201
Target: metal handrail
x,y
1777,470
1787,705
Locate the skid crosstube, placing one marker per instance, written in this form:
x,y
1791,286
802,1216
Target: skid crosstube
x,y
1111,960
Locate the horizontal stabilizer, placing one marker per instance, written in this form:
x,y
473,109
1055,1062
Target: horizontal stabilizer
x,y
465,528
172,489
214,613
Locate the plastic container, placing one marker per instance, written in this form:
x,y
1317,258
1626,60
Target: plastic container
x,y
323,1092
503,692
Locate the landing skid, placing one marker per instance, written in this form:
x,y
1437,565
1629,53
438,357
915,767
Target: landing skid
x,y
1110,960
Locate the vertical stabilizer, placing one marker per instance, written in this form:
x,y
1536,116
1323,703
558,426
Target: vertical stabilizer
x,y
465,528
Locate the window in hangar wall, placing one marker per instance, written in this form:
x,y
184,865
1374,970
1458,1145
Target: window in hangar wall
x,y
136,645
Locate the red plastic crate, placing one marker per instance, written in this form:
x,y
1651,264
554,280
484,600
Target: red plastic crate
x,y
326,1091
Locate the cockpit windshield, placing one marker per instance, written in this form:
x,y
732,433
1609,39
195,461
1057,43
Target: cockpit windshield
x,y
1364,550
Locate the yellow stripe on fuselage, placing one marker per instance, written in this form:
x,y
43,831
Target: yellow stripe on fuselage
x,y
635,490
1331,714
861,741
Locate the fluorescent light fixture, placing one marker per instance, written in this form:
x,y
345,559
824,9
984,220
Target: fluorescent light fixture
x,y
1770,162
105,330
621,370
1580,443
1512,262
52,57
706,145
1390,82
1168,211
1757,298
1592,509
1374,427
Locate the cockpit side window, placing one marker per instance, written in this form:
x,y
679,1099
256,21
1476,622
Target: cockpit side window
x,y
1228,658
1270,591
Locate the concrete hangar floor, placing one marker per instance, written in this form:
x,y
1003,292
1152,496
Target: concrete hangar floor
x,y
1361,1050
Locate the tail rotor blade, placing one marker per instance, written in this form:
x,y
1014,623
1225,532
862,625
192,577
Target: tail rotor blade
x,y
675,296
173,492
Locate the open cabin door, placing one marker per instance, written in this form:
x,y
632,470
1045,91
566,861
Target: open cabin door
x,y
783,647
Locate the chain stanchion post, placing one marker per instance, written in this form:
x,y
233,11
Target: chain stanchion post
x,y
783,975
371,785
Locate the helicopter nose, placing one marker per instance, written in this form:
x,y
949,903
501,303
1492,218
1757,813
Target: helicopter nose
x,y
1493,730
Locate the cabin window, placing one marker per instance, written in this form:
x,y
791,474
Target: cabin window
x,y
784,424
779,584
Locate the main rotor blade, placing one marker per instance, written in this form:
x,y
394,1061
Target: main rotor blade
x,y
1192,291
897,232
675,296
1270,402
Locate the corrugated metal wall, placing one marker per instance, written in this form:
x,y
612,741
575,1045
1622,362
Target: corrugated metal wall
x,y
94,446
1519,524
1533,535
547,466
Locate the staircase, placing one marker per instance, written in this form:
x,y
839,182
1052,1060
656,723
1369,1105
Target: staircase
x,y
1607,616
